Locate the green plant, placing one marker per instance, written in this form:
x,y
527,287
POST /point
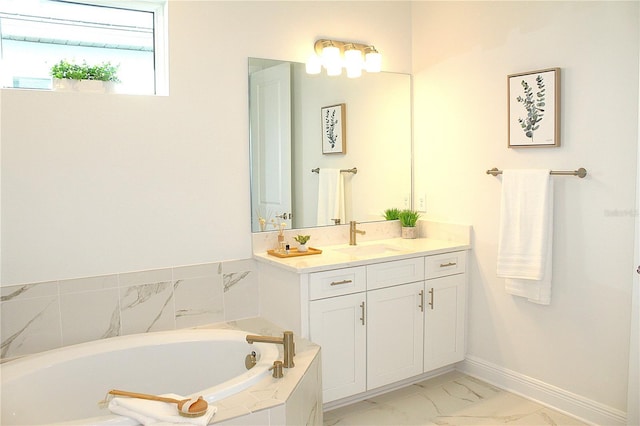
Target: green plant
x,y
534,107
409,218
101,72
392,214
302,239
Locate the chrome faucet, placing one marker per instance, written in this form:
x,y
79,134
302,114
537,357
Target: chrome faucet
x,y
353,231
286,340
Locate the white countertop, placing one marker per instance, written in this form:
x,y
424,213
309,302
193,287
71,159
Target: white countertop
x,y
344,255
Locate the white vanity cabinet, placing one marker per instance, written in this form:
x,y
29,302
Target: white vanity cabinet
x,y
378,323
407,320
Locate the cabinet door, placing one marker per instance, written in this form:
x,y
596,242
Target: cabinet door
x,y
337,325
444,321
394,334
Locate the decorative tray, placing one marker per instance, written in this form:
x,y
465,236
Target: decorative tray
x,y
293,252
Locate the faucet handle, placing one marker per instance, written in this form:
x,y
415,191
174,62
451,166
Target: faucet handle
x,y
336,221
277,369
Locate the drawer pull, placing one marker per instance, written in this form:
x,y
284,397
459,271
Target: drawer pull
x,y
341,282
362,317
431,298
421,305
444,265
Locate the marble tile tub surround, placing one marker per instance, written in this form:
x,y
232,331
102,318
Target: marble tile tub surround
x,y
382,230
40,316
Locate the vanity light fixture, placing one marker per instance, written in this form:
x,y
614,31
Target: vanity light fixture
x,y
333,55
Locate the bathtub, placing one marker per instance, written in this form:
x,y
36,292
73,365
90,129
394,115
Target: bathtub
x,y
65,385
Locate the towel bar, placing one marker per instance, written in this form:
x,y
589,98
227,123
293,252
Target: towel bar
x,y
354,170
581,172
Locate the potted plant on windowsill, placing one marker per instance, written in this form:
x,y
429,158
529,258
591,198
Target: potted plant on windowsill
x,y
302,241
408,221
71,77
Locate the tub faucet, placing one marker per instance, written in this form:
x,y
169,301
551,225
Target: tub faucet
x,y
286,340
353,231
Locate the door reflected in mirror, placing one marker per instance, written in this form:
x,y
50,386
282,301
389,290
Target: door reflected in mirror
x,y
286,144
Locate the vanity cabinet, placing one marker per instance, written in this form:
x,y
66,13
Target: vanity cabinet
x,y
387,321
378,322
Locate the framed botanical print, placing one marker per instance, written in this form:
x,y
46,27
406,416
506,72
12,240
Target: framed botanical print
x,y
333,129
534,108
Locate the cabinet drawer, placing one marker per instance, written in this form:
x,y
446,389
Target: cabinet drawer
x,y
337,282
387,274
441,265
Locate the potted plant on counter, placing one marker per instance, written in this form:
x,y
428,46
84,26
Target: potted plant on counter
x,y
302,241
408,221
392,214
72,77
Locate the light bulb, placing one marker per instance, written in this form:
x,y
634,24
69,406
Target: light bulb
x,y
330,56
314,64
373,60
353,61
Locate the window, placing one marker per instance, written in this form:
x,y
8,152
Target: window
x,y
36,34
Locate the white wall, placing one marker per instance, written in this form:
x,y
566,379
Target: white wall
x,y
101,184
462,53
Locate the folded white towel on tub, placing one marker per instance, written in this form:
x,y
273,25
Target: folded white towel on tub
x,y
526,234
157,413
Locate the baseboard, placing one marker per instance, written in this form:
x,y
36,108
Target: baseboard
x,y
559,399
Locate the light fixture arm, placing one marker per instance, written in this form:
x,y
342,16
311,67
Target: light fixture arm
x,y
321,43
334,54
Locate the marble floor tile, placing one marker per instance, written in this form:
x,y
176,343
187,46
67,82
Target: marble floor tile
x,y
451,399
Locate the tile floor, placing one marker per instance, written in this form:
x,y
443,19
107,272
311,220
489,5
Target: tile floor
x,y
451,399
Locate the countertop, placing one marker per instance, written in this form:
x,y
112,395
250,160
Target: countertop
x,y
344,255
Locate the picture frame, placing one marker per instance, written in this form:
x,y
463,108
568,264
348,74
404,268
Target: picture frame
x,y
333,129
533,108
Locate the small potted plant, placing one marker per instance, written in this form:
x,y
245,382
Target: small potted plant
x,y
408,221
392,214
302,241
69,76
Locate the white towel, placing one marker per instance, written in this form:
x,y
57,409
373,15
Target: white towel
x,y
330,196
157,413
526,234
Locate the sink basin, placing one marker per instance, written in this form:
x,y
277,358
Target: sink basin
x,y
370,250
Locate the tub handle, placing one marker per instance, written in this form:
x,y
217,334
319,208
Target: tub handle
x,y
250,360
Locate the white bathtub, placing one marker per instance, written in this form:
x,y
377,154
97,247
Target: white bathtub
x,y
65,385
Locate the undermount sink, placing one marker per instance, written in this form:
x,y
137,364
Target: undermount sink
x,y
369,250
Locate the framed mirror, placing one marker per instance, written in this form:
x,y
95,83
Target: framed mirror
x,y
289,163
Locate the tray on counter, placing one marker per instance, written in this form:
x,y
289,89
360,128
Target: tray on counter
x,y
293,252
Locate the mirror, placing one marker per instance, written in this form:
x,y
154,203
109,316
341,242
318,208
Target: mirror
x,y
286,144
